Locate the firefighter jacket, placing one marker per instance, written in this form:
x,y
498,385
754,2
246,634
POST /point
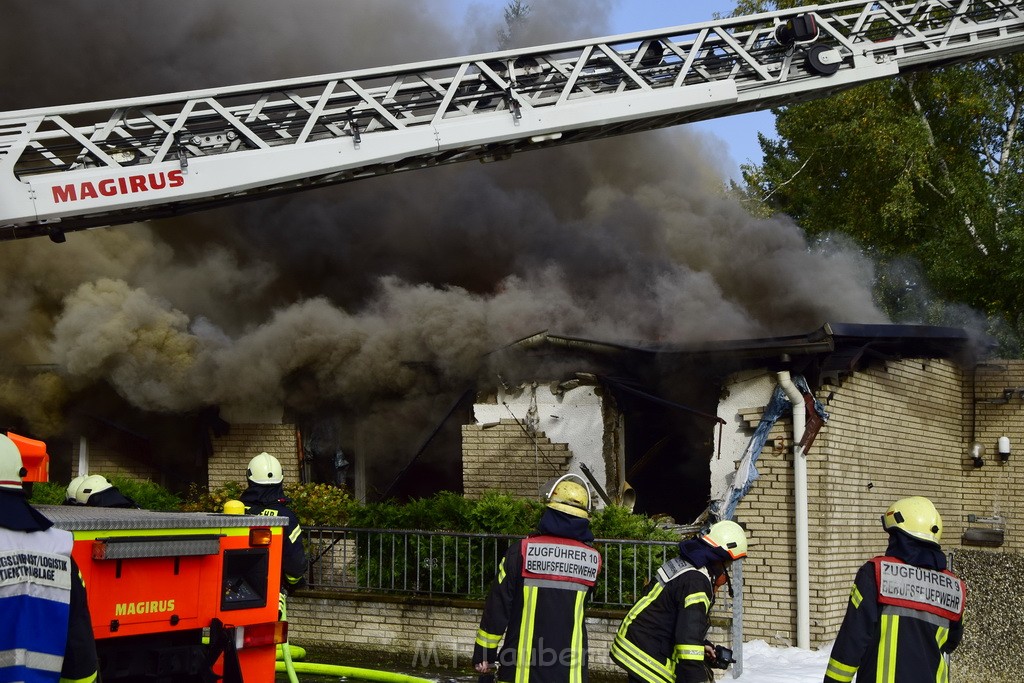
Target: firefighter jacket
x,y
111,498
269,499
536,602
45,634
902,622
661,639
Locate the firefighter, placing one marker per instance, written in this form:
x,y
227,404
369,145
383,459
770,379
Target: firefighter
x,y
96,491
905,614
265,496
45,633
662,638
71,496
537,600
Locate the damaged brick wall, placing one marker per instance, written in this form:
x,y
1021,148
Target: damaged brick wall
x,y
503,457
894,431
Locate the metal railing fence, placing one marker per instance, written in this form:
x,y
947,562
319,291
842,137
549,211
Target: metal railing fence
x,y
452,564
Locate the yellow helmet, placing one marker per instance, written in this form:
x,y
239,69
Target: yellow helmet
x,y
729,537
570,496
916,516
265,469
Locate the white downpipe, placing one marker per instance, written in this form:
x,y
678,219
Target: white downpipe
x,y
83,456
803,593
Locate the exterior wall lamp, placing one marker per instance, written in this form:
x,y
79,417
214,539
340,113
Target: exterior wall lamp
x,y
1004,448
977,450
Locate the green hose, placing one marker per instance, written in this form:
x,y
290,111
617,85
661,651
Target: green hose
x,y
293,668
286,649
351,672
298,652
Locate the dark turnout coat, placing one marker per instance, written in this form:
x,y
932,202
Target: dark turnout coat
x,y
533,625
269,499
661,639
903,620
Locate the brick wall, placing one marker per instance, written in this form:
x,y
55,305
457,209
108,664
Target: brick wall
x,y
893,431
233,451
769,578
997,487
502,457
110,463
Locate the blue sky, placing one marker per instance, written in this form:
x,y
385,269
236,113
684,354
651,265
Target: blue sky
x,y
737,133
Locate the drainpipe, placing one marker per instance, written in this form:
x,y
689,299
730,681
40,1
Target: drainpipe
x,y
803,600
83,456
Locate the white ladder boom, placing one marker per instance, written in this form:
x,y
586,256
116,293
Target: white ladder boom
x,y
106,163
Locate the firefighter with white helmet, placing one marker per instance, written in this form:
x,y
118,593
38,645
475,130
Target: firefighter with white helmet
x,y
71,493
45,633
905,614
663,638
265,496
97,491
532,626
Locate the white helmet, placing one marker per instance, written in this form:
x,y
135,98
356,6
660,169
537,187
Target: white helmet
x,y
72,490
12,469
727,536
265,469
92,484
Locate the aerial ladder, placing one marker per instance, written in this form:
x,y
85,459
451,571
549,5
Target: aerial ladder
x,y
81,166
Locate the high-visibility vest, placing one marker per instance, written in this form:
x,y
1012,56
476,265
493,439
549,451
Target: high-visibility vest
x,y
35,598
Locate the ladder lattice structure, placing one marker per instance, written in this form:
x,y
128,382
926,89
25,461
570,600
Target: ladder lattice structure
x,y
105,163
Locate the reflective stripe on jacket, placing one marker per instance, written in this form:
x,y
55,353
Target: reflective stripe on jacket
x,y
661,639
36,574
533,624
893,643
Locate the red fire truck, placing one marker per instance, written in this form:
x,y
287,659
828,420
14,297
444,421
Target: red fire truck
x,y
175,596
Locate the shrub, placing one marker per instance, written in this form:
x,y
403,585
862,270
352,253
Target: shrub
x,y
314,504
48,493
615,521
320,504
147,494
201,499
498,513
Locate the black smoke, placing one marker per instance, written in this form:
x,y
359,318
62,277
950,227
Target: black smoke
x,y
382,291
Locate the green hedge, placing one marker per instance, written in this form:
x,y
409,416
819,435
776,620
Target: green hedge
x,y
315,504
146,494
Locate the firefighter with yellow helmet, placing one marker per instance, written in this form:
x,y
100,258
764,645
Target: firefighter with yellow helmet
x,y
905,614
663,638
45,632
265,496
532,627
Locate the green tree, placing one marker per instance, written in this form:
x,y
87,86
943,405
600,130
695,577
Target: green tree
x,y
920,169
516,12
